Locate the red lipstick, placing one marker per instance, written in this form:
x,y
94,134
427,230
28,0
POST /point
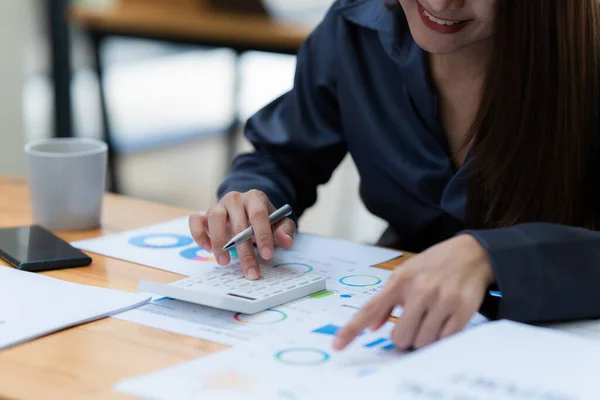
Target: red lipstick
x,y
445,29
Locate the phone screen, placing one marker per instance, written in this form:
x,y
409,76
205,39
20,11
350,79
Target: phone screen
x,y
39,248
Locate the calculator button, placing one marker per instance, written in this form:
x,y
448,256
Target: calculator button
x,y
220,287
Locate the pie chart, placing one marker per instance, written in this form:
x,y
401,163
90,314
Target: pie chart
x,y
160,241
266,317
302,356
297,267
360,280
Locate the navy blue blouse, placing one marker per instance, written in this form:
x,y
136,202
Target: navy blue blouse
x,y
362,86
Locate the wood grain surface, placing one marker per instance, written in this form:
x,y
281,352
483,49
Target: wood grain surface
x,y
84,362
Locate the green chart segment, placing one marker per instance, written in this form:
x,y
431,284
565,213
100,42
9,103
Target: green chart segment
x,y
327,293
322,294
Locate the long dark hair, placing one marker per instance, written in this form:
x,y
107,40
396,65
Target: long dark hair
x,y
534,140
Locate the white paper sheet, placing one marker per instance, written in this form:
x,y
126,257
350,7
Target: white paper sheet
x,y
169,246
229,328
285,366
296,362
222,326
496,361
589,329
33,305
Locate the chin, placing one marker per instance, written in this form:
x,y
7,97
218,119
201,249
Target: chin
x,y
436,43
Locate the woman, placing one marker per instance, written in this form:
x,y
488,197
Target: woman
x,y
473,125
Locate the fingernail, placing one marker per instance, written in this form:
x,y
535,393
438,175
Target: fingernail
x,y
252,274
223,260
337,343
266,252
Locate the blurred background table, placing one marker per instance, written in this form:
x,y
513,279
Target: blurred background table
x,y
175,21
170,105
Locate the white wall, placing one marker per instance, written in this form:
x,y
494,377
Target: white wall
x,y
13,35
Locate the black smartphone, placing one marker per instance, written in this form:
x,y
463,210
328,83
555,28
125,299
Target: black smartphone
x,y
35,249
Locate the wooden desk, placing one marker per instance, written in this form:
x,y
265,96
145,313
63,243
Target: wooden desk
x,y
191,22
183,22
84,362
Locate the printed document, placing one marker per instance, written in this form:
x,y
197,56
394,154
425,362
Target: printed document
x,y
170,246
348,286
294,362
33,305
496,361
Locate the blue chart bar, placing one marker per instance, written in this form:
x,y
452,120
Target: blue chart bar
x,y
390,346
161,299
366,372
376,342
328,330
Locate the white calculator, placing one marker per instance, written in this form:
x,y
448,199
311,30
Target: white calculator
x,y
228,289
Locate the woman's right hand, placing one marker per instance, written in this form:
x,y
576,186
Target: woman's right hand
x,y
234,213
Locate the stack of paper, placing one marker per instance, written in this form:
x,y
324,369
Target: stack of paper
x,y
286,353
170,246
295,363
351,281
231,329
292,364
33,305
496,361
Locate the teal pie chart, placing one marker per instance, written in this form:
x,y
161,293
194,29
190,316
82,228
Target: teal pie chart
x,y
302,356
360,280
160,241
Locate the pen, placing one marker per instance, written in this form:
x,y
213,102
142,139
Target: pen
x,y
248,233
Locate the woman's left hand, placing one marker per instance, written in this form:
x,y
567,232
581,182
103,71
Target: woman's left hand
x,y
440,290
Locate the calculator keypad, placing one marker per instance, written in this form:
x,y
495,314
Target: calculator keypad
x,y
272,282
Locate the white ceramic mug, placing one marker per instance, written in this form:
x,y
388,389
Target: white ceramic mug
x,y
66,182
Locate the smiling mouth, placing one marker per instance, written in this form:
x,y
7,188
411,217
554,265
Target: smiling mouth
x,y
441,25
439,21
